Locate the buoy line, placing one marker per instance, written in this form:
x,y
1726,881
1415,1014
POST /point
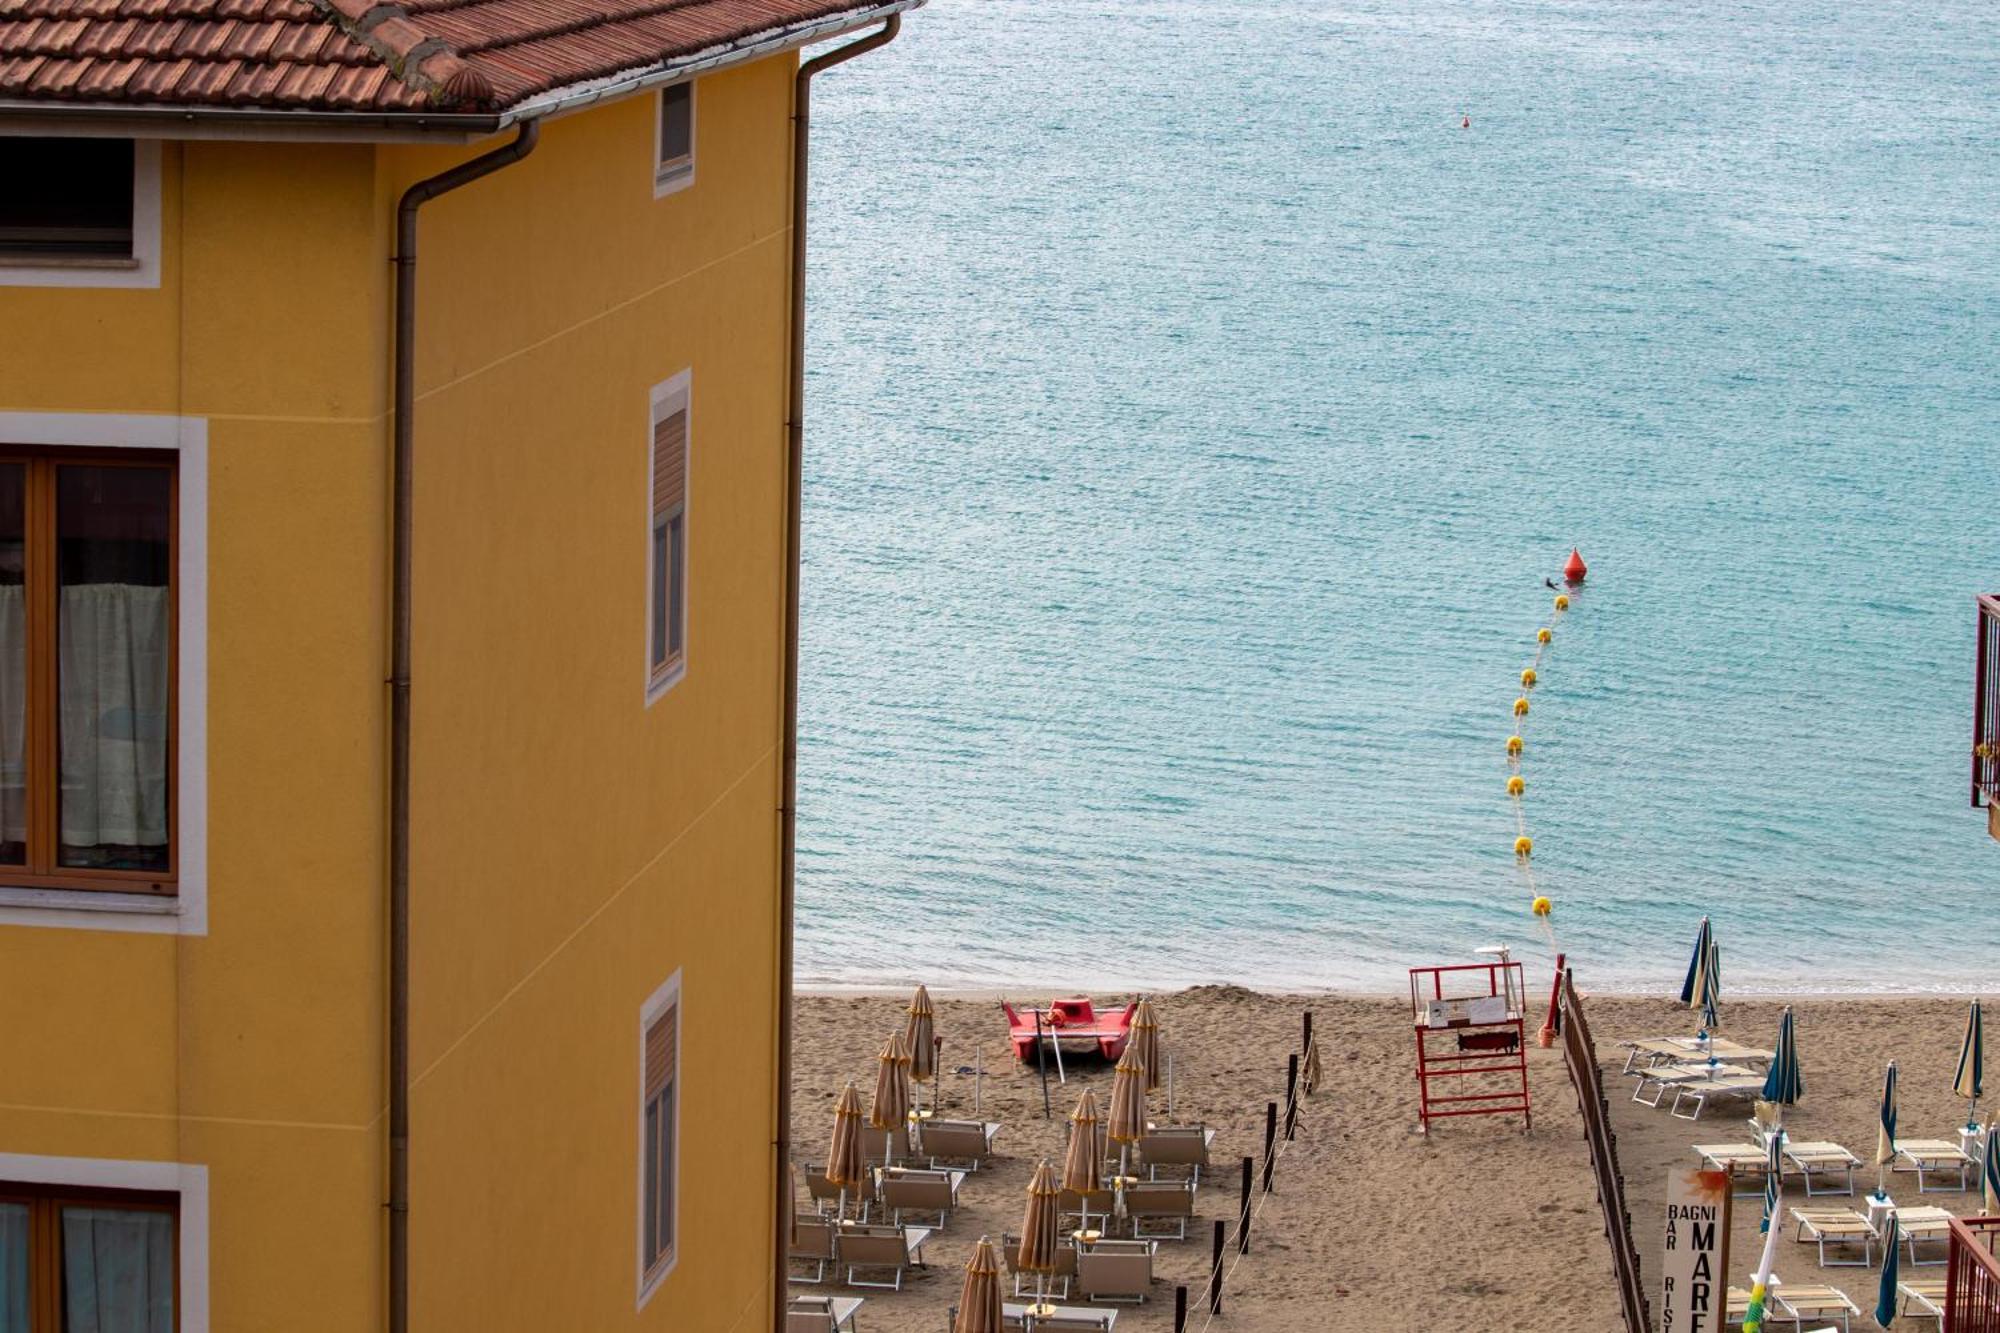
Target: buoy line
x,y
1574,572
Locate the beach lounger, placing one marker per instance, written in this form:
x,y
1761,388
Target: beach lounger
x,y
1075,1319
1176,1145
1743,1161
1075,1208
1681,1050
1801,1303
1923,1224
905,1191
897,1141
1925,1156
894,1249
1013,1317
812,1245
821,1314
1699,1095
826,1195
1736,1303
1160,1202
967,1141
1839,1227
1115,1270
1064,1273
1923,1298
1821,1161
1665,1078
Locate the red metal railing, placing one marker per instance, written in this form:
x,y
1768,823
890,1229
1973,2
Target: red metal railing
x,y
1986,706
1972,1283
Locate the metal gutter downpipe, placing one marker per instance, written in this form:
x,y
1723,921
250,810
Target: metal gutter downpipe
x,y
399,697
795,441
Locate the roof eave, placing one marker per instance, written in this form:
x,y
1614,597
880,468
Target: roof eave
x,y
127,120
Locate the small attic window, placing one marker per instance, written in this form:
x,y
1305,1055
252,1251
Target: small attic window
x,y
675,163
66,200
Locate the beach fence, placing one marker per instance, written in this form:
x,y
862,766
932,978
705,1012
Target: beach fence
x,y
1972,1283
1282,1121
1580,1057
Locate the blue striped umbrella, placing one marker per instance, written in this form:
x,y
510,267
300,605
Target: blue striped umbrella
x,y
1710,984
1782,1085
1971,1066
1885,1297
1691,988
1989,1173
1774,1172
1885,1131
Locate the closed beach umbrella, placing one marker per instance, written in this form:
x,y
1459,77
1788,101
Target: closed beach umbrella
x,y
1691,988
979,1298
891,1106
1989,1172
1710,992
1037,1253
1774,1178
844,1168
1885,1296
1146,1038
1971,1062
1128,1106
1885,1131
920,1037
1783,1085
1085,1157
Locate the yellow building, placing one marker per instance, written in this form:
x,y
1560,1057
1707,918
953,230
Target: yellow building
x,y
270,471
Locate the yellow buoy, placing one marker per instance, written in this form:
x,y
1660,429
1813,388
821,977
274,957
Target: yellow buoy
x,y
1520,707
1528,679
1524,846
1541,907
1562,601
1513,745
1543,635
1516,785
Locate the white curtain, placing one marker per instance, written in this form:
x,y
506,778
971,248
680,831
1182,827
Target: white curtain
x,y
13,728
113,699
118,1271
13,1268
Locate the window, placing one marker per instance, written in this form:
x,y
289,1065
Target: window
x,y
659,1134
674,158
66,197
666,539
78,1260
87,679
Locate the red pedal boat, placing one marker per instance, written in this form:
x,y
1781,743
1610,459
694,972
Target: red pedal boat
x,y
1073,1023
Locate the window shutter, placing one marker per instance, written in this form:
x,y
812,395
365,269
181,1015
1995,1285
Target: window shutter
x,y
670,463
661,1055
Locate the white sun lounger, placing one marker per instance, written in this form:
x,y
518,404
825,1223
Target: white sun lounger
x,y
1700,1094
1816,1304
1926,1223
1925,1156
1665,1078
1923,1298
1838,1226
1818,1161
1745,1163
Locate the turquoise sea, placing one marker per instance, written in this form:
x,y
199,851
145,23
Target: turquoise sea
x,y
1196,409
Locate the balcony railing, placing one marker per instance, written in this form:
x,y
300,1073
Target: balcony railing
x,y
1972,1283
1986,706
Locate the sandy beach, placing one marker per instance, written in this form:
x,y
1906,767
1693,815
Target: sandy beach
x,y
1372,1226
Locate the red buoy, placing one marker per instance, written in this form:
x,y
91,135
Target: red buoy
x,y
1574,569
1465,124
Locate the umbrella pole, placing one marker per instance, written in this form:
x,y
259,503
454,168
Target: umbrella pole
x,y
978,1077
1042,1063
1056,1043
1170,1085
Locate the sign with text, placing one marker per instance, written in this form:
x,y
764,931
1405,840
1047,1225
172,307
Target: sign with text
x,y
1695,1263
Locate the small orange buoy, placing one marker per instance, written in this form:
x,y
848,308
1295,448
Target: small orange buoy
x,y
1573,568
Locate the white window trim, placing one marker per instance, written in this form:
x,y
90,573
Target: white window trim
x,y
187,912
190,1182
143,271
669,994
674,395
670,179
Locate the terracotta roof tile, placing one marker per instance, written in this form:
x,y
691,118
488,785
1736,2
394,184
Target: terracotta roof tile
x,y
358,55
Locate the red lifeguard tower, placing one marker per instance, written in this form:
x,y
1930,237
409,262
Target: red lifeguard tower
x,y
1469,1027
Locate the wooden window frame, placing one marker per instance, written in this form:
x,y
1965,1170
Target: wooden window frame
x,y
667,604
671,174
45,1250
43,742
662,1010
